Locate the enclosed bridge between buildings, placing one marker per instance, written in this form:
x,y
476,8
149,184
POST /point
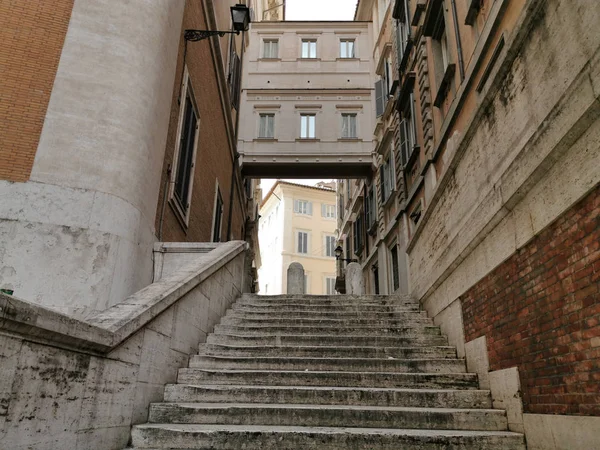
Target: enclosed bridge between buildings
x,y
308,106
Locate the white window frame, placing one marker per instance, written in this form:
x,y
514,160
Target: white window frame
x,y
329,247
263,129
306,243
329,282
303,207
308,126
347,48
328,211
347,126
270,48
308,49
184,214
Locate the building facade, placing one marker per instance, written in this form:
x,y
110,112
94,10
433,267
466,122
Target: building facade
x,y
306,100
484,204
298,224
91,143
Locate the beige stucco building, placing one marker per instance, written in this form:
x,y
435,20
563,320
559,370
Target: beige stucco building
x,y
307,100
298,224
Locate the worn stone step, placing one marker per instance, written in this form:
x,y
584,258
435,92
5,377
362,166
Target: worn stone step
x,y
330,352
339,303
310,310
231,437
323,395
331,322
405,330
335,297
414,340
266,313
328,416
328,378
337,364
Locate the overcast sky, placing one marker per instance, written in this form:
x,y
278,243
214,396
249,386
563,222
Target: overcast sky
x,y
314,10
320,9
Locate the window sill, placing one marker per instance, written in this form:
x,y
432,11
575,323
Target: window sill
x,y
411,158
265,140
308,140
354,139
347,59
372,230
388,201
269,59
179,215
444,85
308,59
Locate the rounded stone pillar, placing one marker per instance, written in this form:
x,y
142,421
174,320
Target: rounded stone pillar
x,y
295,278
355,284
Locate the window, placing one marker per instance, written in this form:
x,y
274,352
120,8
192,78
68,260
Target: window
x,y
302,242
330,246
218,215
235,76
395,268
407,131
330,286
303,207
349,126
309,48
386,177
347,48
185,158
403,33
383,87
306,283
358,231
328,211
266,130
270,48
370,208
307,126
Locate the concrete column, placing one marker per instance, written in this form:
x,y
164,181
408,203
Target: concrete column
x,y
355,284
78,236
295,279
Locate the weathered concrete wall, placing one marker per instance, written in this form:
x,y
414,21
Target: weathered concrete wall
x,y
78,236
77,385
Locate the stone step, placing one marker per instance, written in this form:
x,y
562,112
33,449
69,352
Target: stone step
x,y
231,437
415,340
313,310
267,313
328,416
334,303
337,322
250,330
335,297
329,352
425,398
335,364
329,378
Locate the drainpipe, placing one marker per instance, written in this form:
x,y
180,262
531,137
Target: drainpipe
x,y
461,64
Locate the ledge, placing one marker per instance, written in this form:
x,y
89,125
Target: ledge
x,y
265,140
444,85
307,140
106,330
349,140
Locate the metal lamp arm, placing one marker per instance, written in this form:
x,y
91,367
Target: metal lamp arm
x,y
198,35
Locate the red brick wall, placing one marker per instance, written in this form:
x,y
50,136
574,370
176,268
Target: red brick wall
x,y
540,311
213,157
32,34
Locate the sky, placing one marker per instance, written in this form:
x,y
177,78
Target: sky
x,y
320,9
314,10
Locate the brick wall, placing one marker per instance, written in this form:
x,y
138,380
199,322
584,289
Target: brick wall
x,y
32,34
540,311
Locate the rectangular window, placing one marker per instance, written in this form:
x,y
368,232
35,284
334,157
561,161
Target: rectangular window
x,y
330,246
302,242
303,207
266,129
309,48
307,126
386,179
218,215
395,268
370,205
349,126
270,48
358,231
185,159
328,211
330,286
347,48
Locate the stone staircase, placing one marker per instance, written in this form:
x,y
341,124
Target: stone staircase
x,y
325,372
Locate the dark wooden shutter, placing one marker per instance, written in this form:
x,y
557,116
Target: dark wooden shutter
x,y
379,97
236,77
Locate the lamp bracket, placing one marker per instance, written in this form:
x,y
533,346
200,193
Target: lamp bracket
x,y
198,35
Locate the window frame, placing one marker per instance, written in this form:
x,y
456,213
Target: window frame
x,y
305,210
348,127
266,115
329,245
183,210
330,282
217,221
270,43
345,45
308,116
328,211
305,245
311,45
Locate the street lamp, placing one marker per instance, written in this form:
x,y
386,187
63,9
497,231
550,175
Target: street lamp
x,y
240,16
339,251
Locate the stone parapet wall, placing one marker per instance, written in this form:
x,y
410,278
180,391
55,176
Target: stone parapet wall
x,y
79,385
540,311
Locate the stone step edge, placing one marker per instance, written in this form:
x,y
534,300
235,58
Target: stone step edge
x,y
304,359
328,347
331,372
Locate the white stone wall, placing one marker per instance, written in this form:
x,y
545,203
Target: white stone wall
x,y
78,236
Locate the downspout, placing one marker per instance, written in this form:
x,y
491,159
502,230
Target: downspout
x,y
461,64
236,131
